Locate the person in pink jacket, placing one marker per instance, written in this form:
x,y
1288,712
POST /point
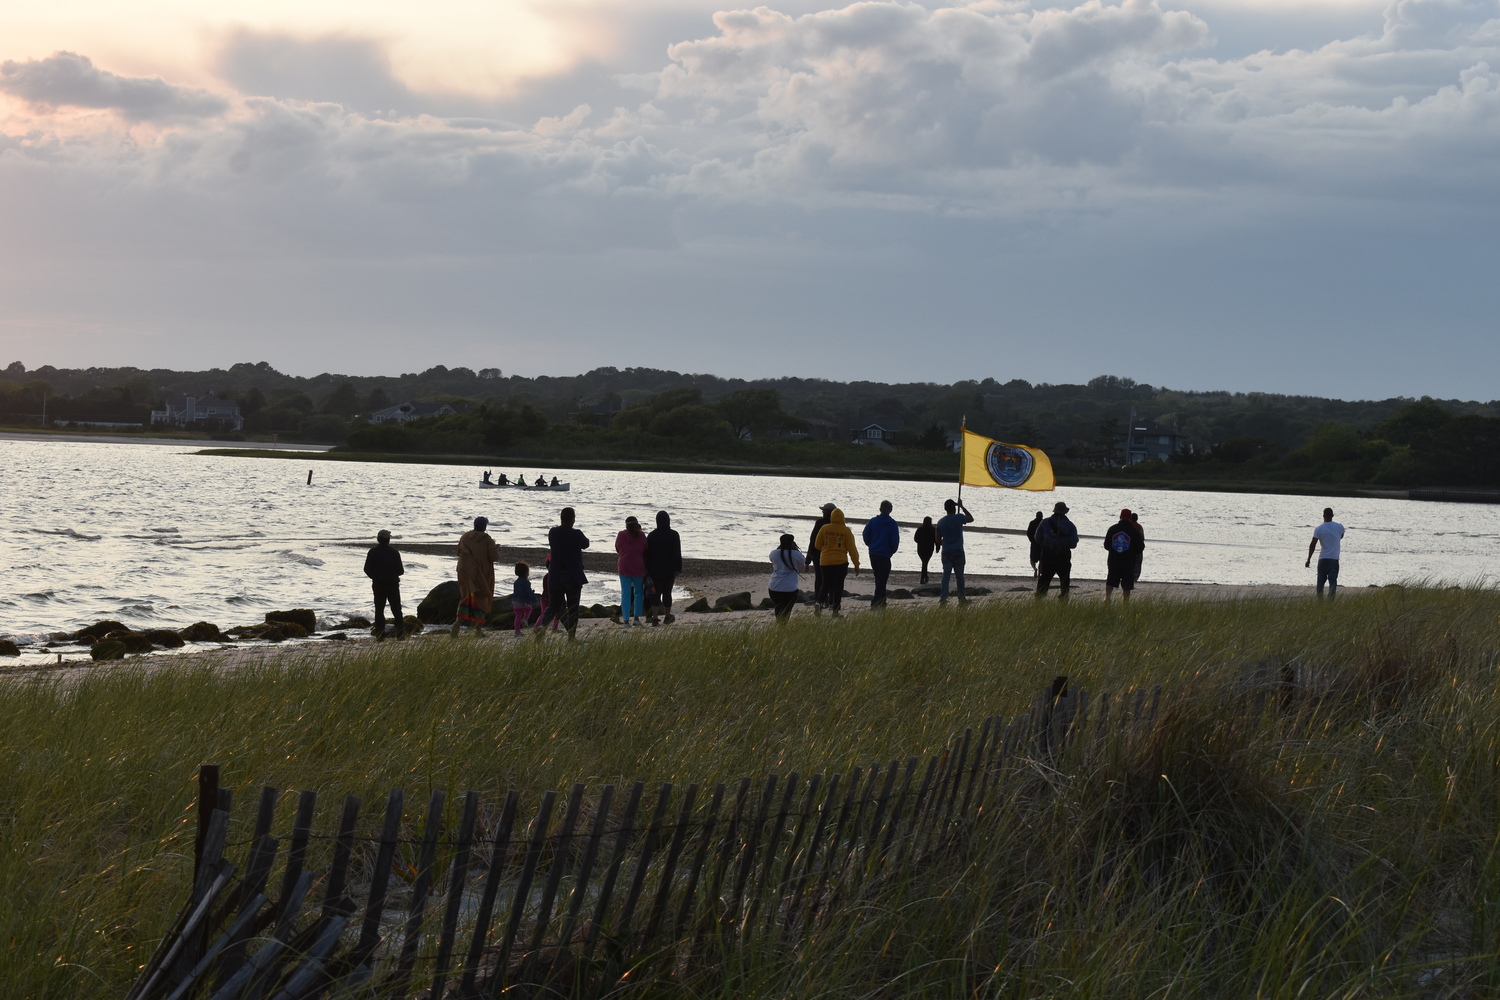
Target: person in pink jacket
x,y
631,545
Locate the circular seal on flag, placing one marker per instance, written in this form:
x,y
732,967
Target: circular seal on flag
x,y
1008,466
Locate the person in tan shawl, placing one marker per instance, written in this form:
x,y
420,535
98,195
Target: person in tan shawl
x,y
477,555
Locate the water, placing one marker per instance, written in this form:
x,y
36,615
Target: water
x,y
155,535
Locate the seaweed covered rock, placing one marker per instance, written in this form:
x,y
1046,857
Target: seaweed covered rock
x,y
411,625
698,607
202,632
302,617
440,606
9,648
108,649
354,622
99,630
165,638
735,602
133,642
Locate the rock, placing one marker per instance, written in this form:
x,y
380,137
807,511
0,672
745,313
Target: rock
x,y
927,590
354,623
1019,590
440,606
411,625
299,616
898,594
268,632
735,602
976,591
108,649
859,597
202,632
766,604
9,648
165,638
133,641
698,607
336,636
99,630
289,630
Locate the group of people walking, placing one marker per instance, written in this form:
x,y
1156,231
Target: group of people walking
x,y
648,565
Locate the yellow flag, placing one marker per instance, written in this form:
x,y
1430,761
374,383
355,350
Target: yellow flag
x,y
984,462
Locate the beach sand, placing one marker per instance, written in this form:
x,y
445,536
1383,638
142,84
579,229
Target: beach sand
x,y
705,578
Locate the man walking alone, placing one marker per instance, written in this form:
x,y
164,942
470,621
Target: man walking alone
x,y
882,538
1330,535
950,532
383,567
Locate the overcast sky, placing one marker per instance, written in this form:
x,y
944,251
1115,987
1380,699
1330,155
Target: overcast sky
x,y
1243,194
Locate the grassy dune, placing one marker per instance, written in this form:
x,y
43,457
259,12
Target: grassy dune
x,y
1355,857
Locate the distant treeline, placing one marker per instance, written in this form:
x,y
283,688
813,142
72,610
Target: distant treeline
x,y
646,413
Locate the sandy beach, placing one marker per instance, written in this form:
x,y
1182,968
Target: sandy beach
x,y
705,578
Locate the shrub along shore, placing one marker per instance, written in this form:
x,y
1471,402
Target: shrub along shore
x,y
1356,855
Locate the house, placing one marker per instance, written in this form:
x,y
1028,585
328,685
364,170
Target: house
x,y
881,432
1146,440
183,411
953,440
403,412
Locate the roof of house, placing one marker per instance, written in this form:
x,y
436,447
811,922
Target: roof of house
x,y
201,402
885,425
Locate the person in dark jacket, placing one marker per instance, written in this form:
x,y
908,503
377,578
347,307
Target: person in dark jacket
x,y
812,548
1036,553
882,539
383,567
1056,539
926,539
663,563
565,545
1123,542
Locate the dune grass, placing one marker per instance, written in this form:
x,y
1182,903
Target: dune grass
x,y
1357,857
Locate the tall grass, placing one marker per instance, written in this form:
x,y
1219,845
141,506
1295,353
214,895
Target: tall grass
x,y
1355,855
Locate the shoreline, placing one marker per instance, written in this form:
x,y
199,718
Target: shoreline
x,y
100,437
701,578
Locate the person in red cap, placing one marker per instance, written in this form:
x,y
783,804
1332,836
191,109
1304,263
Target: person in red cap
x,y
1123,542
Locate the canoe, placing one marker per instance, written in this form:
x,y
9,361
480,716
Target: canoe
x,y
559,488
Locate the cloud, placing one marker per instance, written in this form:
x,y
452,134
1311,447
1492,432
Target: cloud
x,y
991,148
350,71
66,79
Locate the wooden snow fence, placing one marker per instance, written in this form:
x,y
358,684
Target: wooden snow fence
x,y
587,889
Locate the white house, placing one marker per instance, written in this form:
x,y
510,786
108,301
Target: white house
x,y
403,412
181,411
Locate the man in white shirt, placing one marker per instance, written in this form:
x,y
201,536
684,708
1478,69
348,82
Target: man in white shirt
x,y
1329,534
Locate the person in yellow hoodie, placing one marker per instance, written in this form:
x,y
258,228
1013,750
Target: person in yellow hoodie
x,y
835,545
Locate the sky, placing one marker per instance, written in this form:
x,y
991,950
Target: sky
x,y
1255,195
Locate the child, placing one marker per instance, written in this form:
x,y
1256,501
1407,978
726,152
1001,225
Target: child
x,y
523,599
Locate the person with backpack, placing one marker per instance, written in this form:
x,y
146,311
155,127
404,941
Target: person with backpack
x,y
1056,539
926,539
787,565
1123,542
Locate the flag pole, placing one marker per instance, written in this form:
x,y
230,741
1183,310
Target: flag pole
x,y
963,443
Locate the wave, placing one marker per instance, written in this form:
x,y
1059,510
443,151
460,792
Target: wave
x,y
67,533
40,595
167,531
298,557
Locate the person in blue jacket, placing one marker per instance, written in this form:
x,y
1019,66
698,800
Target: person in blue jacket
x,y
882,539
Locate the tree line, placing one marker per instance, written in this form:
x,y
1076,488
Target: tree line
x,y
646,413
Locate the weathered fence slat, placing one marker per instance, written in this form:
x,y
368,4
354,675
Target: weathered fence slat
x,y
669,867
705,841
522,893
454,902
334,901
416,910
554,875
499,855
612,872
369,935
